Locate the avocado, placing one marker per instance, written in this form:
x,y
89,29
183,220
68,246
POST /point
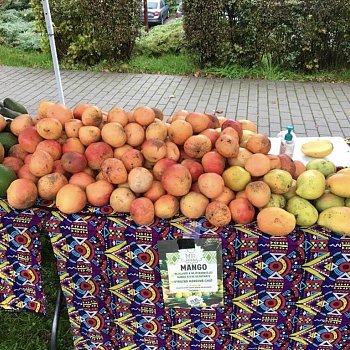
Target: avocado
x,y
14,106
9,113
8,125
8,140
7,175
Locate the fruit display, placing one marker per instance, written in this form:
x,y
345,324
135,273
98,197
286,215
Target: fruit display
x,y
194,164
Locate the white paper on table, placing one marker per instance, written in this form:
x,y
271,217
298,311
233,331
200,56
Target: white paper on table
x,y
340,155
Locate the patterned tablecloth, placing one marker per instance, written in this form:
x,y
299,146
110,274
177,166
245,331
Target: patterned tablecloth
x,y
279,292
20,259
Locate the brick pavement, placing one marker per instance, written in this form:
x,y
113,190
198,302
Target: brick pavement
x,y
315,109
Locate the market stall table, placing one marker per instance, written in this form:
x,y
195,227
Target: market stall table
x,y
279,292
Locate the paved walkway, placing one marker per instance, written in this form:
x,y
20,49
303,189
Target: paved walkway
x,y
315,109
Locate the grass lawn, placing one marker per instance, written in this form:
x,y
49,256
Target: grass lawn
x,y
15,57
170,64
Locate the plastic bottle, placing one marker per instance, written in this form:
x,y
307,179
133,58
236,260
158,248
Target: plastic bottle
x,y
288,142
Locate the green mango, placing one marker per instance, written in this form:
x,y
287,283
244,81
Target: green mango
x,y
305,213
325,166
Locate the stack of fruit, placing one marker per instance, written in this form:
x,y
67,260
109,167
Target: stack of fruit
x,y
9,109
195,164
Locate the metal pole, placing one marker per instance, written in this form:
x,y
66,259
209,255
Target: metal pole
x,y
50,32
145,14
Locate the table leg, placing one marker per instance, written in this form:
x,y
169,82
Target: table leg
x,y
55,321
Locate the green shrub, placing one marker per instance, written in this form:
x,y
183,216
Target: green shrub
x,y
252,28
115,25
161,40
322,34
18,30
28,41
172,6
294,34
13,15
89,31
206,38
67,21
14,4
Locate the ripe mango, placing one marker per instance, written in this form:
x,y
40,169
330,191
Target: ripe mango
x,y
305,213
236,178
336,219
339,184
329,200
276,221
311,184
344,171
246,134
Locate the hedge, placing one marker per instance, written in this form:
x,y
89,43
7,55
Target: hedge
x,y
89,31
205,34
295,34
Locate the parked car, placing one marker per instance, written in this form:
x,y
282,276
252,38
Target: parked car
x,y
158,11
179,10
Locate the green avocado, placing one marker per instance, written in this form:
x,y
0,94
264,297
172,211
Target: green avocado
x,y
9,113
14,105
8,125
8,140
7,175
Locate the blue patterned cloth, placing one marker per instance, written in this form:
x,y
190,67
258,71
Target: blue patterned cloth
x,y
279,292
21,285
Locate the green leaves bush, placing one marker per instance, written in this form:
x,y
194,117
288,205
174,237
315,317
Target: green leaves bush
x,y
17,29
89,31
14,4
172,5
161,40
204,26
294,34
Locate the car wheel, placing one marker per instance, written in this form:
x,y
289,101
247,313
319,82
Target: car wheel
x,y
162,20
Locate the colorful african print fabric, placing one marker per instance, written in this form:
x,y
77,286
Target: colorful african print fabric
x,y
20,259
290,293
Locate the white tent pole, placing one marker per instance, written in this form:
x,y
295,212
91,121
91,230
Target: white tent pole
x,y
50,32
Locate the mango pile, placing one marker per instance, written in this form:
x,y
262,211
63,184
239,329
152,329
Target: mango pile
x,y
141,163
